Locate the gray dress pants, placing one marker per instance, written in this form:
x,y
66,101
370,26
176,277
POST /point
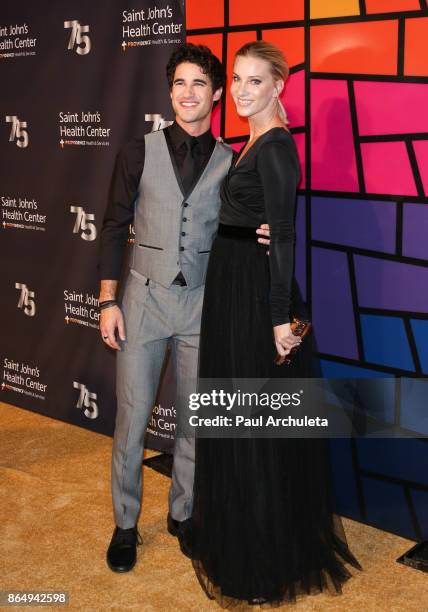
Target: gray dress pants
x,y
154,316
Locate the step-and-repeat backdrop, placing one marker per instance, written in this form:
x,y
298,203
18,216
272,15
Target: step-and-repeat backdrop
x,y
78,79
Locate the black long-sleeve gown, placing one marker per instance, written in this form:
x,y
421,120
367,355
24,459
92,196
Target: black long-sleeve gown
x,y
264,529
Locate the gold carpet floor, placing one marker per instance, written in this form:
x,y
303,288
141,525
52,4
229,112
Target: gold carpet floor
x,y
56,522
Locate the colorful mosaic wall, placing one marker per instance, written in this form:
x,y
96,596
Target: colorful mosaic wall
x,y
357,99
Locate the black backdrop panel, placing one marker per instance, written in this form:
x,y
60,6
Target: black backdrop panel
x,y
78,80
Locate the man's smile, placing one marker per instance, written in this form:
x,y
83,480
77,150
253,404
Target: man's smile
x,y
189,104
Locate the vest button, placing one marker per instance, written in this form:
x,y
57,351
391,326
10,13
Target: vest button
x,y
181,248
184,219
185,204
183,233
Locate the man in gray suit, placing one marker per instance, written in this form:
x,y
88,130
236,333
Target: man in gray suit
x,y
167,183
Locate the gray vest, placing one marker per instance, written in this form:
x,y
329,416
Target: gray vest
x,y
174,233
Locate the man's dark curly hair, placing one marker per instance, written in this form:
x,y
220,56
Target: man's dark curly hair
x,y
201,56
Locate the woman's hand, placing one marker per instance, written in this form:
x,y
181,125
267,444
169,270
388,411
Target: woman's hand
x,y
285,340
263,230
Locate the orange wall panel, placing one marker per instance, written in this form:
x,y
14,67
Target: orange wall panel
x,y
291,41
204,14
243,12
389,6
363,48
416,47
334,8
213,41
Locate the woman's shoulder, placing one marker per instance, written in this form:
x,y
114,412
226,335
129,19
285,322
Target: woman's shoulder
x,y
278,141
278,134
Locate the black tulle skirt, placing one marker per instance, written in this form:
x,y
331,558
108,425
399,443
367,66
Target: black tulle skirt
x,y
264,529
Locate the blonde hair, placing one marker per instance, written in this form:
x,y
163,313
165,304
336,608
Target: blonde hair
x,y
277,62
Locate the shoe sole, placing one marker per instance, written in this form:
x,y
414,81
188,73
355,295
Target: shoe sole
x,y
119,569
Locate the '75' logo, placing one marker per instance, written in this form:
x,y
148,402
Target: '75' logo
x,y
86,399
83,223
78,37
25,299
17,131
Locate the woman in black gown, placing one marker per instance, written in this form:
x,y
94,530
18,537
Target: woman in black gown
x,y
263,526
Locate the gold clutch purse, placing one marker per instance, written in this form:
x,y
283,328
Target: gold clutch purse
x,y
299,327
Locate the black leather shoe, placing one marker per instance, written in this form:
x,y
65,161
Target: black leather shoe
x,y
172,525
184,535
122,552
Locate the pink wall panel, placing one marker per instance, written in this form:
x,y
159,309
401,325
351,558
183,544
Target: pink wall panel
x,y
216,121
391,108
387,168
237,146
421,151
333,158
293,98
299,139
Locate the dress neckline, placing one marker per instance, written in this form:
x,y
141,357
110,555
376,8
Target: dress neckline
x,y
240,160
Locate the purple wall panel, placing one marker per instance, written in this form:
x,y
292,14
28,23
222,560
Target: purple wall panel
x,y
333,316
300,268
359,223
391,285
415,231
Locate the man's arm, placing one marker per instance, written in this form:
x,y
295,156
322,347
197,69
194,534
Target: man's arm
x,y
114,234
111,317
108,290
119,213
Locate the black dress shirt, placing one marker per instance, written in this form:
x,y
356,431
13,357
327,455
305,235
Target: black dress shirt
x,y
124,189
